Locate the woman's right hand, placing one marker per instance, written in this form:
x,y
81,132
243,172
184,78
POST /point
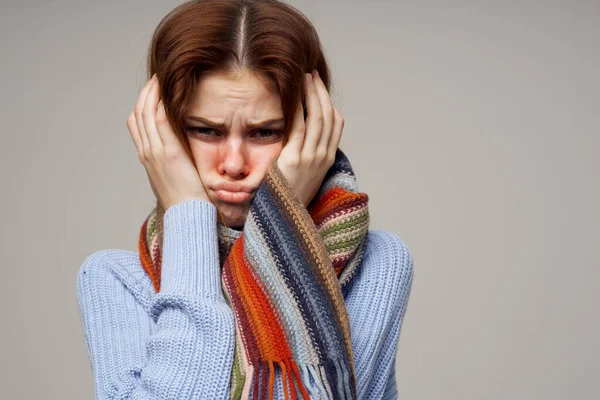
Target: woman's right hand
x,y
172,174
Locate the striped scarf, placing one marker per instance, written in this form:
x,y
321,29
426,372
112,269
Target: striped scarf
x,y
284,277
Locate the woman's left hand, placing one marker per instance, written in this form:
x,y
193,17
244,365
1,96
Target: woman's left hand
x,y
311,147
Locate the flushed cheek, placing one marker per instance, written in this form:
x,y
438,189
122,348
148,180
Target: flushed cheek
x,y
260,158
205,158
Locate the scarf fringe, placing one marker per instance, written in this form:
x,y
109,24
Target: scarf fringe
x,y
300,381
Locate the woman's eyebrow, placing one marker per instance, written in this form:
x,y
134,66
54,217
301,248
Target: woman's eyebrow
x,y
251,124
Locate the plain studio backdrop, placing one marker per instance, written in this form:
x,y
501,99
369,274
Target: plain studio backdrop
x,y
473,126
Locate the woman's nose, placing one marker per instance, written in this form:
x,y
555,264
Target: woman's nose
x,y
234,161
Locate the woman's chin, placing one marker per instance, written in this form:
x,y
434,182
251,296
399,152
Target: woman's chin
x,y
234,214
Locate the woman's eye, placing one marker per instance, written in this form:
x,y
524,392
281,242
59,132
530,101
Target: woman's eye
x,y
261,134
200,130
265,134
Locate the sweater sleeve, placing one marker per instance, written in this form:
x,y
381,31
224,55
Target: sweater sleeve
x,y
376,302
181,345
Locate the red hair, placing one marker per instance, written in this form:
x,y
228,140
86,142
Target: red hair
x,y
267,37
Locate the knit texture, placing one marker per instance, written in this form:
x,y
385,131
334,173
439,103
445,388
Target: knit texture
x,y
283,277
179,343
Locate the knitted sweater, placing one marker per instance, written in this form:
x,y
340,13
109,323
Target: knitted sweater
x,y
179,343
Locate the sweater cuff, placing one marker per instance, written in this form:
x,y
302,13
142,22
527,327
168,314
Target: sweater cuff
x,y
190,254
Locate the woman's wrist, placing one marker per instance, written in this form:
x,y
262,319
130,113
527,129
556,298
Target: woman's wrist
x,y
190,256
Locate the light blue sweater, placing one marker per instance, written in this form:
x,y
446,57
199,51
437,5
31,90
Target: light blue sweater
x,y
178,343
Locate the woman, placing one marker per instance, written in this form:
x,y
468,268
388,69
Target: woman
x,y
257,275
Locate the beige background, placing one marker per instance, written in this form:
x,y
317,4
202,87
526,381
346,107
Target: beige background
x,y
473,126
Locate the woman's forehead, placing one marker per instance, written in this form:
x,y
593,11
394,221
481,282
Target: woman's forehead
x,y
222,96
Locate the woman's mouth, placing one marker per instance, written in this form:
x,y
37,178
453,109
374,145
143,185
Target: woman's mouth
x,y
232,197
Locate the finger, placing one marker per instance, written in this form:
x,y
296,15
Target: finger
x,y
336,134
135,135
314,120
149,116
328,116
296,138
139,107
167,136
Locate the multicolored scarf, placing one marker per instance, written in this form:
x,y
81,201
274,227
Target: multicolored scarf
x,y
284,275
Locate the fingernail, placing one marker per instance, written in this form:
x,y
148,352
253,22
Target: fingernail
x,y
308,77
315,73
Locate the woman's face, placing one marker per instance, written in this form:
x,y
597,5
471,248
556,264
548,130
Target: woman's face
x,y
235,129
